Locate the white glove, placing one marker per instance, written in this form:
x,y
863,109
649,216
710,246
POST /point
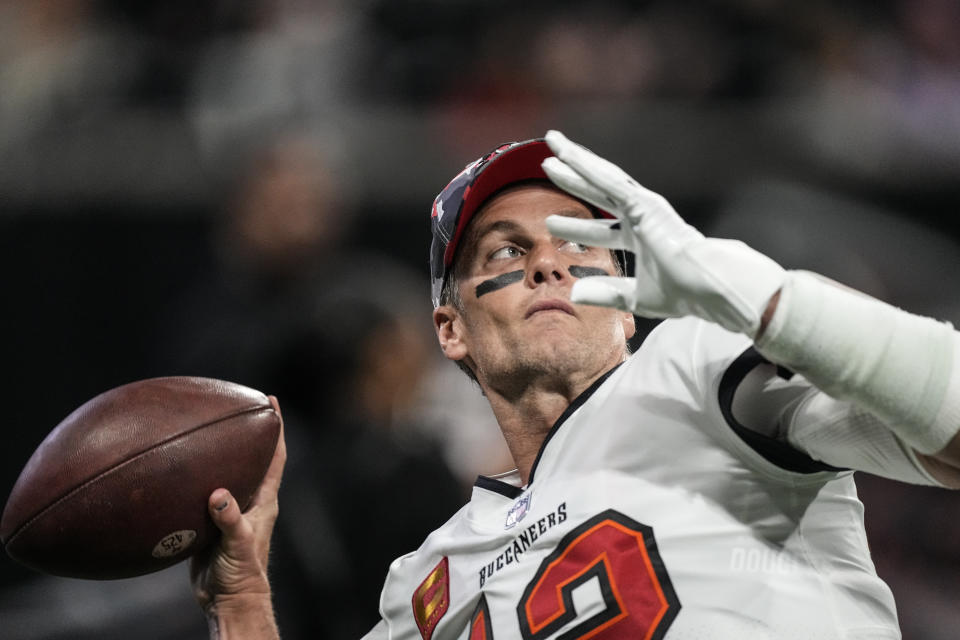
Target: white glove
x,y
678,271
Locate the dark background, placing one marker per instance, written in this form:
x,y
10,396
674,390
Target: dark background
x,y
132,139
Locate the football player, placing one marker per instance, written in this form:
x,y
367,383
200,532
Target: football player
x,y
700,487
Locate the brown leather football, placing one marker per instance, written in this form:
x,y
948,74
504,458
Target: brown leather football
x,y
120,487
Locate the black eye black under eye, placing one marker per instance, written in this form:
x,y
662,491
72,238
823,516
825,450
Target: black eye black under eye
x,y
498,282
578,271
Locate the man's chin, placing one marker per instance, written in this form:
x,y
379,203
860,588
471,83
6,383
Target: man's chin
x,y
563,355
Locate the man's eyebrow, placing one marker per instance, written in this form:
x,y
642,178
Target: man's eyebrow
x,y
505,226
571,213
476,234
509,226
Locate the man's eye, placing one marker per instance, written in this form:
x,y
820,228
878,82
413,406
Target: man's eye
x,y
574,247
506,253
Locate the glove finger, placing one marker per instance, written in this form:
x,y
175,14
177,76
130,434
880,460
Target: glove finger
x,y
641,296
604,291
574,184
607,184
595,233
648,298
610,179
657,224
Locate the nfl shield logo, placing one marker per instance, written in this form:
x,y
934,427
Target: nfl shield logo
x,y
517,511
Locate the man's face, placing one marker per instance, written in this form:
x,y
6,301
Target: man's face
x,y
515,278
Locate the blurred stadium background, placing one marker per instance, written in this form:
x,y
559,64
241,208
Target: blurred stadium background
x,y
240,189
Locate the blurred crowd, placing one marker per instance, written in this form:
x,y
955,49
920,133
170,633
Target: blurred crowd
x,y
240,188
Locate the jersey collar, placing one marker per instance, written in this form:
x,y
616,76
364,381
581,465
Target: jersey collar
x,y
511,490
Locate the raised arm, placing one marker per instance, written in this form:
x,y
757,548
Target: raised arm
x,y
902,368
230,581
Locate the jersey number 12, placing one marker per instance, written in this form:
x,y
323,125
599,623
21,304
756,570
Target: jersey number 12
x,y
621,555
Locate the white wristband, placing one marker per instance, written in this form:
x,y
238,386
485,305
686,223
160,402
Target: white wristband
x,y
897,365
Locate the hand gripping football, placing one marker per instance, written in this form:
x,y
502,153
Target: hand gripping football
x,y
120,487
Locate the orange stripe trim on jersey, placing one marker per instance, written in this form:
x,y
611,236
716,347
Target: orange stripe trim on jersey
x,y
602,556
616,594
651,571
535,628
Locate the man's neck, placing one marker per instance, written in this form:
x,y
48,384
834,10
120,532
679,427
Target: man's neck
x,y
527,414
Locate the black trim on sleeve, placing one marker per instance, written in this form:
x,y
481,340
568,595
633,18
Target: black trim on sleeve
x,y
498,486
772,450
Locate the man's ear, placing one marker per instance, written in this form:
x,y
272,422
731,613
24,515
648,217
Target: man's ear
x,y
629,325
450,332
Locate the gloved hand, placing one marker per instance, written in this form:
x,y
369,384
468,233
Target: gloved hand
x,y
678,271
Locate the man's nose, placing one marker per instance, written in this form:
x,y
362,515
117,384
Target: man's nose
x,y
545,266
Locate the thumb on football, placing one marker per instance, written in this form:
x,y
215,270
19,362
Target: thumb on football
x,y
224,511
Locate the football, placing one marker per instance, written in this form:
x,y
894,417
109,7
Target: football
x,y
119,488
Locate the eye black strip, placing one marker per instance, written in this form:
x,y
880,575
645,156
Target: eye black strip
x,y
509,278
582,272
499,282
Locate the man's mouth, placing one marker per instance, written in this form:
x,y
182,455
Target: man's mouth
x,y
550,305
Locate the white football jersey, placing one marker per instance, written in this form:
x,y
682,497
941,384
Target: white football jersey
x,y
651,514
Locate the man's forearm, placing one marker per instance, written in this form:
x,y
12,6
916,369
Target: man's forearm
x,y
899,366
243,619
